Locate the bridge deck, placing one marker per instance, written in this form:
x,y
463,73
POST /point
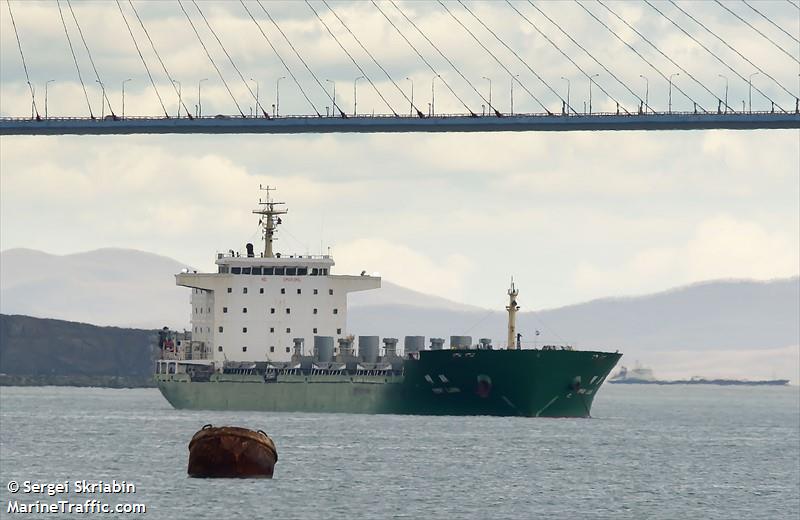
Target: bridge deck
x,y
394,124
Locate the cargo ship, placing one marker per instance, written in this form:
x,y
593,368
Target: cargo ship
x,y
644,376
269,334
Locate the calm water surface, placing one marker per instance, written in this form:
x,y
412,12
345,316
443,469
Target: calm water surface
x,y
649,452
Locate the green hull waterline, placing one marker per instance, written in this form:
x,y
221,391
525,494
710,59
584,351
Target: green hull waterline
x,y
530,383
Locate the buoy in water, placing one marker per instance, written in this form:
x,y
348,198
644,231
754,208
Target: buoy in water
x,y
231,452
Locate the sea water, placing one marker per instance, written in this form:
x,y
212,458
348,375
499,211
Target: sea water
x,y
675,452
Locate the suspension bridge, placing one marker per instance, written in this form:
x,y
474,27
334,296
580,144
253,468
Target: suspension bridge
x,y
761,57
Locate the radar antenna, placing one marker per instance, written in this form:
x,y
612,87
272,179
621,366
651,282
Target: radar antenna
x,y
269,220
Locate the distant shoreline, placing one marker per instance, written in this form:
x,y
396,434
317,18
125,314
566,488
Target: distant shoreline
x,y
77,381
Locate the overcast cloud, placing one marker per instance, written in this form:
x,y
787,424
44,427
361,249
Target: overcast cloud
x,y
571,216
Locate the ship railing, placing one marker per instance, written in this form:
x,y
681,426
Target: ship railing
x,y
239,254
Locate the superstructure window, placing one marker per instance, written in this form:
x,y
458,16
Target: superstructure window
x,y
223,269
302,271
280,271
314,271
330,291
256,271
299,291
269,271
236,270
244,310
315,330
283,290
244,330
315,311
224,310
261,290
219,348
230,290
287,350
336,311
291,271
244,290
220,329
338,331
324,271
272,329
272,349
245,270
272,310
244,349
316,291
288,330
288,310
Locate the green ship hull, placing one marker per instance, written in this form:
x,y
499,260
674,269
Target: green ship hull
x,y
529,383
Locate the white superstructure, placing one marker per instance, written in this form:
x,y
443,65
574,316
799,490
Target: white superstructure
x,y
254,306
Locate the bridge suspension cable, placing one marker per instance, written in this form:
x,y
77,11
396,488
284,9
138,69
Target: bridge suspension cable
x,y
24,65
712,52
565,33
244,81
444,81
512,51
361,70
683,70
291,46
285,65
768,19
419,112
213,63
91,60
757,30
562,52
448,60
497,113
631,47
155,51
139,51
75,59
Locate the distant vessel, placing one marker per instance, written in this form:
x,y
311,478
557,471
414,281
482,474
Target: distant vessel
x,y
254,320
644,376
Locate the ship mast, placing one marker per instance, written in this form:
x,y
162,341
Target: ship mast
x,y
512,309
269,219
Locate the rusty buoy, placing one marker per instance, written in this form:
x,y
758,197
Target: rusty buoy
x,y
231,452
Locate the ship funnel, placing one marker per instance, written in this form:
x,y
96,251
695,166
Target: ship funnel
x,y
368,349
413,344
437,343
323,349
390,347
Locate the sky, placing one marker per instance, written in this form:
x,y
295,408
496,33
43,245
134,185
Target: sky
x,y
571,216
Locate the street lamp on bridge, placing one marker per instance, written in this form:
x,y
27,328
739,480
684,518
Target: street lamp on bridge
x,y
433,94
278,96
646,92
199,104
513,78
180,100
411,108
333,110
45,95
590,91
355,98
123,96
670,89
568,105
750,91
257,106
726,90
490,91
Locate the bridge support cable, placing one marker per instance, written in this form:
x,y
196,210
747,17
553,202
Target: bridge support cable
x,y
773,42
141,57
631,47
497,113
419,112
247,86
24,65
712,52
74,58
89,53
567,56
164,67
581,47
424,60
683,70
297,53
512,51
448,60
361,70
768,19
213,63
794,4
285,66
